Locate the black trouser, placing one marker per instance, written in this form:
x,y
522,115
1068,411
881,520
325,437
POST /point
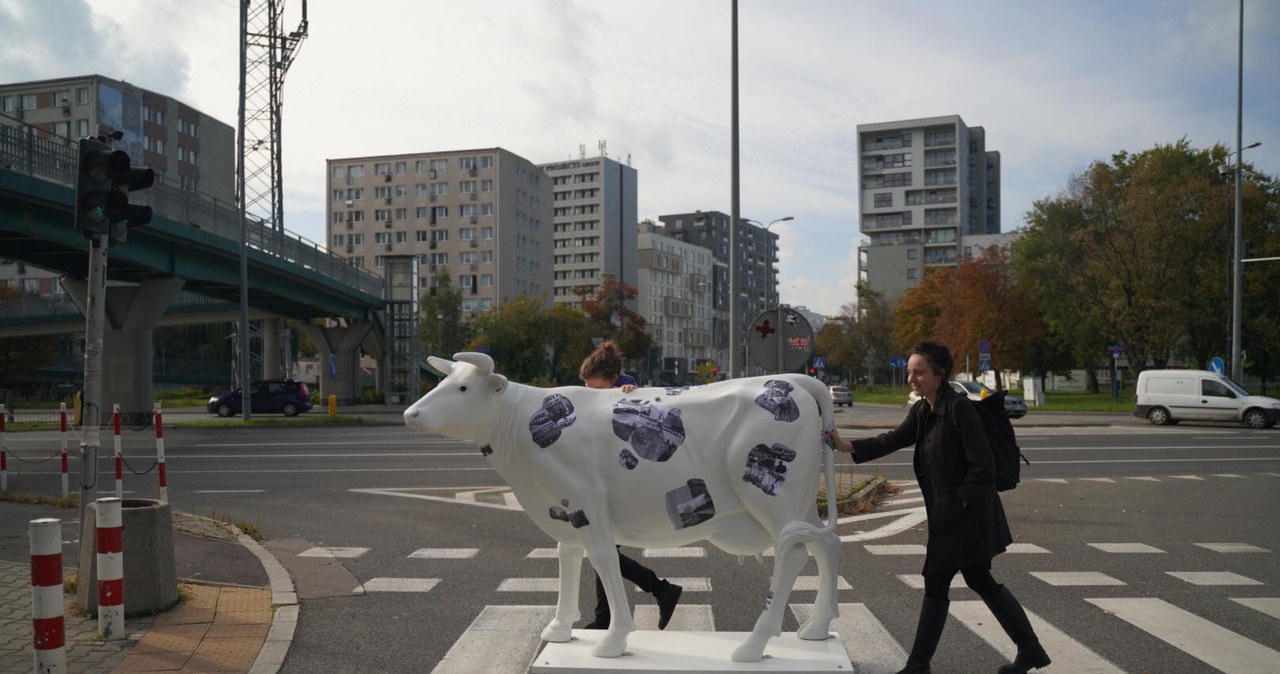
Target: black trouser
x,y
978,577
643,577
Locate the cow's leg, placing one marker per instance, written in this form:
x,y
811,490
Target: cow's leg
x,y
604,557
825,608
785,569
560,628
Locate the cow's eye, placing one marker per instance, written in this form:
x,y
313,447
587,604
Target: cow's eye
x,y
462,388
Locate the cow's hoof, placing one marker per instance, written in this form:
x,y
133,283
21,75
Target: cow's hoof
x,y
611,646
749,651
814,630
557,631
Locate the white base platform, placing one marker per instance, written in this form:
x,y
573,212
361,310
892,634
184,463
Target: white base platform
x,y
674,652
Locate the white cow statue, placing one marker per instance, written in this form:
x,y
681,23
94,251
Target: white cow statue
x,y
735,463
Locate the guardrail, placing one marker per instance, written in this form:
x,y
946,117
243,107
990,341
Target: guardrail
x,y
36,152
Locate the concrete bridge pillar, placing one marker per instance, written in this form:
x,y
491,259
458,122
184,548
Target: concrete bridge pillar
x,y
131,312
339,350
272,348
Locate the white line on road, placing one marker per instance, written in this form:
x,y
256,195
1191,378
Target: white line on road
x,y
866,640
1069,655
1268,605
1206,641
229,491
515,628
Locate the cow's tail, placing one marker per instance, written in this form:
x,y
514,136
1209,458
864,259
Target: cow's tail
x,y
799,532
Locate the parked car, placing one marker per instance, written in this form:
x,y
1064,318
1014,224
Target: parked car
x,y
1169,396
840,395
270,395
975,391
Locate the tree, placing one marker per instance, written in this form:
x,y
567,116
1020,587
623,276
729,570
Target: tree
x,y
915,317
515,334
570,342
609,317
442,331
20,355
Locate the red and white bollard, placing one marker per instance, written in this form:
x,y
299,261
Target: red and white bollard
x,y
164,476
4,454
119,460
62,418
48,627
110,536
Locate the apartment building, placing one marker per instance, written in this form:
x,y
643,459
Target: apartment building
x,y
925,185
757,259
181,144
594,215
675,297
484,215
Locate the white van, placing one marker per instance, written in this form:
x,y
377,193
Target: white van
x,y
1170,396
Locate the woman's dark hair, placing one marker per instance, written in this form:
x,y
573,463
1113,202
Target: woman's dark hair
x,y
938,356
605,361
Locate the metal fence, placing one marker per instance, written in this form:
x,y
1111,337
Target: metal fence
x,y
35,152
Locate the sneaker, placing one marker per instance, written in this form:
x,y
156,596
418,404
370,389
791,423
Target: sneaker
x,y
668,597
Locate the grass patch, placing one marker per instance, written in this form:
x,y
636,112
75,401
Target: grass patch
x,y
70,501
339,420
1055,401
251,529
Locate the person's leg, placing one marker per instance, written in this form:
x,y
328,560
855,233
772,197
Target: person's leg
x,y
1011,616
667,593
933,617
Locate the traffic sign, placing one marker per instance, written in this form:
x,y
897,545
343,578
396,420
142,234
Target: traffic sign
x,y
897,363
1216,365
984,346
819,363
780,332
984,362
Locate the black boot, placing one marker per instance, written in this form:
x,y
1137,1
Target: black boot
x,y
933,617
1008,612
668,595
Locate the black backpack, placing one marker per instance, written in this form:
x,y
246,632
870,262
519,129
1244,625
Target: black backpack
x,y
1003,441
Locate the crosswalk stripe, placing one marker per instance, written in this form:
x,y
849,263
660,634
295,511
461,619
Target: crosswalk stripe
x,y
810,584
1056,480
916,581
1025,549
1187,477
687,618
1268,605
543,553
903,549
1075,578
398,585
686,551
1217,646
902,501
444,553
1126,548
1231,547
1068,654
515,628
341,553
1231,475
529,585
867,642
1144,478
1099,479
1213,578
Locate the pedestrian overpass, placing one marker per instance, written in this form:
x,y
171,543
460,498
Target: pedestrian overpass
x,y
192,244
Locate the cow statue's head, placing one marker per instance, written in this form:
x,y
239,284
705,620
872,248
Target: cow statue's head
x,y
465,405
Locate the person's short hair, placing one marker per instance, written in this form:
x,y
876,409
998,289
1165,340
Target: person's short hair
x,y
937,355
605,362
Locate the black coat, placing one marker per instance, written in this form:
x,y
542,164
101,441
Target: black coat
x,y
953,463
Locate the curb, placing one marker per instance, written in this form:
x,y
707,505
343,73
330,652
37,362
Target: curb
x,y
284,622
867,493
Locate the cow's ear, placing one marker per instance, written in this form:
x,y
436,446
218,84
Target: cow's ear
x,y
497,383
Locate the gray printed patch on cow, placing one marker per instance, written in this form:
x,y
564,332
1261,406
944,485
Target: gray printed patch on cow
x,y
776,397
655,432
627,459
486,450
767,466
555,415
576,518
690,504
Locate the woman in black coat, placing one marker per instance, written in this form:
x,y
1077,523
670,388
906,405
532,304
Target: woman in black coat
x,y
967,526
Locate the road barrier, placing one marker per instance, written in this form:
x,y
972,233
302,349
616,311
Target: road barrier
x,y
110,546
48,625
119,460
164,478
4,454
62,421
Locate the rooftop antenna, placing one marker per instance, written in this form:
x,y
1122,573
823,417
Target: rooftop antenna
x,y
582,150
602,145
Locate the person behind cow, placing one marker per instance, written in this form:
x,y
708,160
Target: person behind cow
x,y
966,522
603,369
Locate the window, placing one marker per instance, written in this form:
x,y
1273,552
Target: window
x,y
467,233
382,169
440,165
486,256
339,171
466,281
439,212
486,209
159,145
1209,387
381,215
422,213
354,193
439,189
486,280
467,186
486,162
911,273
383,192
82,96
911,253
60,98
420,236
356,171
62,129
402,237
884,200
82,128
486,233
159,117
468,210
337,239
486,185
438,235
420,190
6,103
356,239
27,102
467,163
382,237
400,167
421,166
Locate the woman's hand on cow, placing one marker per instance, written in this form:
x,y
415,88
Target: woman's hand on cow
x,y
836,443
627,388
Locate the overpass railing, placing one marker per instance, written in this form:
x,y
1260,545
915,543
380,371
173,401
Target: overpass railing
x,y
35,308
37,152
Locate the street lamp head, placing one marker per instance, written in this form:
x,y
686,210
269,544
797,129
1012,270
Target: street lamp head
x,y
1252,145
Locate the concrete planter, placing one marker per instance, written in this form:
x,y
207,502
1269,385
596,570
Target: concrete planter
x,y
150,578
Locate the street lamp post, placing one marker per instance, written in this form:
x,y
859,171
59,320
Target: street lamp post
x,y
1237,286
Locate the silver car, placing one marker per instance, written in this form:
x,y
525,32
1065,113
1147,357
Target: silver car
x,y
840,395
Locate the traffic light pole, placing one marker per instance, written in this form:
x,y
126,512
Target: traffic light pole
x,y
91,413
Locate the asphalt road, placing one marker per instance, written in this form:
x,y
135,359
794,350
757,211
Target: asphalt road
x,y
1173,492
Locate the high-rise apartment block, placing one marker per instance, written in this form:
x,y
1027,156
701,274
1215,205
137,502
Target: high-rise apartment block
x,y
757,256
181,144
594,211
482,215
925,185
675,297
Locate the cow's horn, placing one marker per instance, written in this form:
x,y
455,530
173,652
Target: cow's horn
x,y
440,365
482,361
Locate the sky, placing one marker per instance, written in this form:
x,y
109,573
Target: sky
x,y
1056,85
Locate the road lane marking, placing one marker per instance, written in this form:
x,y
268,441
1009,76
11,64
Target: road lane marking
x,y
1213,578
810,583
404,492
866,640
1069,655
687,618
1126,548
689,584
903,549
684,551
916,581
397,585
228,491
1268,605
1075,578
515,628
444,553
1214,645
1231,547
340,553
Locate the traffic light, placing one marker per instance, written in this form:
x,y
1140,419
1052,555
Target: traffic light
x,y
104,180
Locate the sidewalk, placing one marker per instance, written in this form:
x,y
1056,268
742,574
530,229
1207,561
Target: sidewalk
x,y
237,611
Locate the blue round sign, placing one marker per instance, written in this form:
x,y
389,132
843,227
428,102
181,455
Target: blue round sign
x,y
1216,365
984,346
